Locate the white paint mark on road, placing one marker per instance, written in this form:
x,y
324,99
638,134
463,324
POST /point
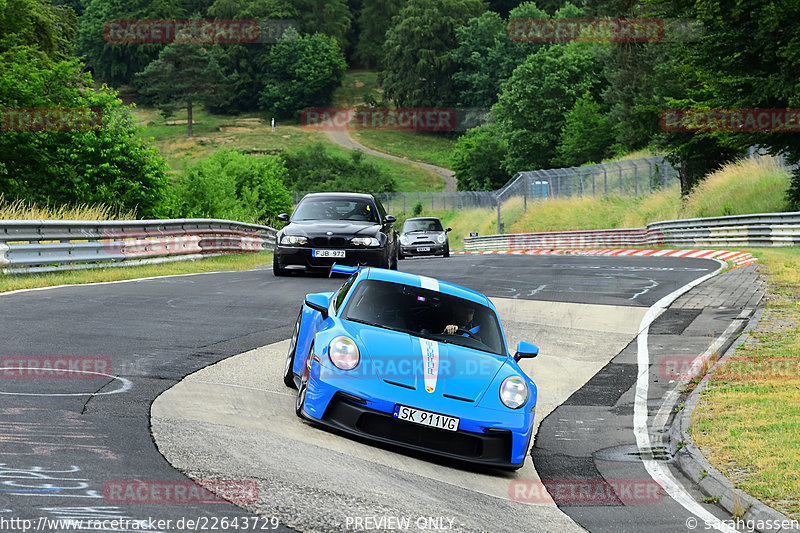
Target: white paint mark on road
x,y
657,470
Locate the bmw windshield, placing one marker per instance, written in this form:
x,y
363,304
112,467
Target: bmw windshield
x,y
351,209
425,313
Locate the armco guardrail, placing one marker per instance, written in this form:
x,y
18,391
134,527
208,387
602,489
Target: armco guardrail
x,y
42,245
766,229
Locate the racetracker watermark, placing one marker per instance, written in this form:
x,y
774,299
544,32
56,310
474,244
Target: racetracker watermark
x,y
50,118
731,120
586,491
687,368
595,30
54,367
180,492
625,30
142,31
398,119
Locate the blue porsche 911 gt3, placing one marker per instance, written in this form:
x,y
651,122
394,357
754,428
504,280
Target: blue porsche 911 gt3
x,y
412,361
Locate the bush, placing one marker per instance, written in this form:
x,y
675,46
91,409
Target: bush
x,y
233,186
477,159
315,169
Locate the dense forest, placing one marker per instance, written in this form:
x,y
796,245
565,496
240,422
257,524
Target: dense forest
x,y
541,103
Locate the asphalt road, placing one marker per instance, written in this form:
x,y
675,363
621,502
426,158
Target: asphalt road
x,y
65,440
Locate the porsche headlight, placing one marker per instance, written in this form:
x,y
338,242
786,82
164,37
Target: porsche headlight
x,y
293,239
343,353
514,392
404,240
365,241
441,238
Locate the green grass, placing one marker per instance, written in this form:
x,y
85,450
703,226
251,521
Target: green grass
x,y
10,282
357,84
417,146
747,422
252,133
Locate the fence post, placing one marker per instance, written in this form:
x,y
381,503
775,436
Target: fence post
x,y
635,178
497,198
620,177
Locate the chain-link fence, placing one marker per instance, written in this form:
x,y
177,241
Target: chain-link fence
x,y
630,177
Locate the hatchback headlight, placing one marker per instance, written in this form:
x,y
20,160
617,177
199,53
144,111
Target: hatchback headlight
x,y
441,238
294,239
365,241
514,392
344,353
404,240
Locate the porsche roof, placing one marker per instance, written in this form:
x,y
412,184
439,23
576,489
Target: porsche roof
x,y
415,280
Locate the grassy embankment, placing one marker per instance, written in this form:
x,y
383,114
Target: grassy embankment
x,y
747,422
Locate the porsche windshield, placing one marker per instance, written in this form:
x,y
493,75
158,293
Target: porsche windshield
x,y
425,313
354,209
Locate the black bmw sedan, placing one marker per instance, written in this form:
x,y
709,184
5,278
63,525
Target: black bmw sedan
x,y
343,228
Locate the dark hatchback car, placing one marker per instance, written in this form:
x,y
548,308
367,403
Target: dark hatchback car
x,y
344,228
424,236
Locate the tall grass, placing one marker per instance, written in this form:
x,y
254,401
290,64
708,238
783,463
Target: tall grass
x,y
742,187
747,186
21,210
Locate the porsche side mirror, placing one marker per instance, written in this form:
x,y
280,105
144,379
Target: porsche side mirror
x,y
526,350
318,302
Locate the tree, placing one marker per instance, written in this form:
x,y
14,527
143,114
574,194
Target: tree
x,y
375,18
102,163
531,109
331,17
37,24
183,74
117,63
241,62
486,55
477,159
234,186
586,135
418,69
301,72
747,57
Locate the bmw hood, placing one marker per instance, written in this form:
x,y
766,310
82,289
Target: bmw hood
x,y
428,366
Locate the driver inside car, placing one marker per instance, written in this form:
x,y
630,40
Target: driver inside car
x,y
462,320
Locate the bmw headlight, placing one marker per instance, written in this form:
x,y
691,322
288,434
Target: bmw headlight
x,y
365,241
404,240
441,238
344,353
293,239
514,392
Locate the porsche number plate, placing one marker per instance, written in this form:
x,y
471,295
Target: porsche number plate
x,y
424,249
328,253
426,418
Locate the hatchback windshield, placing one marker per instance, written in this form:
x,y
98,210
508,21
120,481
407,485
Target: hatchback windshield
x,y
425,313
430,224
335,209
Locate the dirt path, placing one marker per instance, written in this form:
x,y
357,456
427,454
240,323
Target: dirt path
x,y
343,138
